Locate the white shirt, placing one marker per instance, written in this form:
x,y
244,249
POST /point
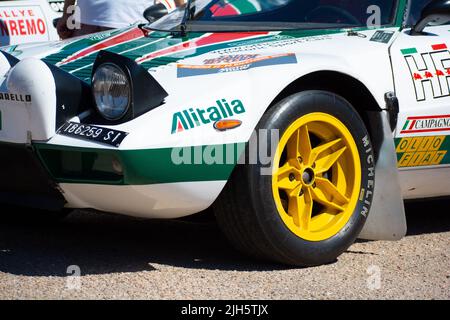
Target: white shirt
x,y
113,13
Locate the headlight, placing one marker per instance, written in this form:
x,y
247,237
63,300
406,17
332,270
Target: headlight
x,y
112,92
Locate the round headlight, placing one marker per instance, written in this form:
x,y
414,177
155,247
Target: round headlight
x,y
111,90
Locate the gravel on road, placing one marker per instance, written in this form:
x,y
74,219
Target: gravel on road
x,y
125,258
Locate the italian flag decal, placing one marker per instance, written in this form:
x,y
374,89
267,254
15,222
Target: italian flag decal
x,y
435,47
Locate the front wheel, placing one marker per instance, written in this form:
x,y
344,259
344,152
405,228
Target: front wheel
x,y
314,204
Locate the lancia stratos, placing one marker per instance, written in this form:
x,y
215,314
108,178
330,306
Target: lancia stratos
x,y
303,124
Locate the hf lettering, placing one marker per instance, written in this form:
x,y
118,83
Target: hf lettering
x,y
430,71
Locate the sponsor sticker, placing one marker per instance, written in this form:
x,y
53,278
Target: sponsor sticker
x,y
195,117
233,63
382,36
423,151
426,124
430,71
25,98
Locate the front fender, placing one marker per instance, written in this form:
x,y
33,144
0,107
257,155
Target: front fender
x,y
28,102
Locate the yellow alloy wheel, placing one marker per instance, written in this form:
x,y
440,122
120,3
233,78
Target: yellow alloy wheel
x,y
316,177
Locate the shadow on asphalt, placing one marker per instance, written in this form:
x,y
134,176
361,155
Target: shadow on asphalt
x,y
104,244
427,217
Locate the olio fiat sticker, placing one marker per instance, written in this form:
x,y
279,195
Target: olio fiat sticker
x,y
423,151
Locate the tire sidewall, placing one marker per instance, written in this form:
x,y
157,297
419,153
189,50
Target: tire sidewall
x,y
283,240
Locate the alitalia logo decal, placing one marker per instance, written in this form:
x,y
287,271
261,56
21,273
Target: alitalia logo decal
x,y
430,71
426,124
195,117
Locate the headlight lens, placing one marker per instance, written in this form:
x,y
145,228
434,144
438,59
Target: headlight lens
x,y
112,92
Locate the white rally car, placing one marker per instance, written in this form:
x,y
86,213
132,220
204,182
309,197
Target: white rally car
x,y
303,127
27,21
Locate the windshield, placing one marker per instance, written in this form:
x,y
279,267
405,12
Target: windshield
x,y
218,15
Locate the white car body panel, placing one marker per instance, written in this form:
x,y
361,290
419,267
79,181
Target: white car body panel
x,y
423,98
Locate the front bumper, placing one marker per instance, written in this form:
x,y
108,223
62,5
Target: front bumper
x,y
47,170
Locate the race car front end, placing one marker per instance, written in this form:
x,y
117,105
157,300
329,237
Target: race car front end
x,y
67,143
27,112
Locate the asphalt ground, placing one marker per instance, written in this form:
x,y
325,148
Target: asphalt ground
x,y
124,258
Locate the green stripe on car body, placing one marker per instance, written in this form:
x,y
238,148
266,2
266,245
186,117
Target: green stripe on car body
x,y
82,68
139,167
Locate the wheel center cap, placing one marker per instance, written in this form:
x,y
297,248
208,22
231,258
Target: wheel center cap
x,y
308,176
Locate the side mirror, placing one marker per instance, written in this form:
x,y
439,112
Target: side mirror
x,y
156,12
435,13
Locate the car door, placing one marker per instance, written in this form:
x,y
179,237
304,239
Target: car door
x,y
421,69
26,21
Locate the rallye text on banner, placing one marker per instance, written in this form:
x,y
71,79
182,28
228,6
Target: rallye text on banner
x,y
27,21
304,124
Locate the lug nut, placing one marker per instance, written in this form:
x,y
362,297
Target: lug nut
x,y
291,177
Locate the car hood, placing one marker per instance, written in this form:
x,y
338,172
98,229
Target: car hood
x,y
152,50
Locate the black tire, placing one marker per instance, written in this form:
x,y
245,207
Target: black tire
x,y
246,210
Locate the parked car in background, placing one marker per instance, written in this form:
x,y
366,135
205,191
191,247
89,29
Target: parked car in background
x,y
57,5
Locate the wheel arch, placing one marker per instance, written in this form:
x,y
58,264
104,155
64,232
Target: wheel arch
x,y
350,88
337,82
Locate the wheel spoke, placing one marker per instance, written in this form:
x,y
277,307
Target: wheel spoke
x,y
292,146
327,187
283,178
286,169
300,207
304,145
321,197
316,152
325,163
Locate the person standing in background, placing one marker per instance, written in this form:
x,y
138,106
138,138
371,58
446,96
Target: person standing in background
x,y
101,15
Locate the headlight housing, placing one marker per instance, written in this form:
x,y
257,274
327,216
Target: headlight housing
x,y
112,91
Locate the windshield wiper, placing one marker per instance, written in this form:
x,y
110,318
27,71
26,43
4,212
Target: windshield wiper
x,y
188,15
